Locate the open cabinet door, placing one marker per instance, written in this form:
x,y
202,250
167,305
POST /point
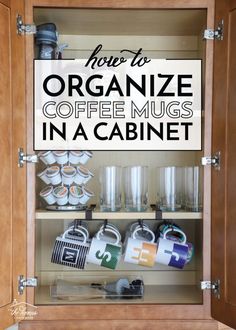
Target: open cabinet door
x,y
224,180
12,179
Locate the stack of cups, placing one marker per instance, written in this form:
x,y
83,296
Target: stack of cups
x,y
180,188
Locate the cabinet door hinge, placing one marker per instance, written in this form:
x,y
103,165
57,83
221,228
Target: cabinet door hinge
x,y
212,160
214,286
218,34
22,158
22,28
26,282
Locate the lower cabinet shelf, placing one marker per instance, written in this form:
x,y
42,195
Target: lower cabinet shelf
x,y
153,294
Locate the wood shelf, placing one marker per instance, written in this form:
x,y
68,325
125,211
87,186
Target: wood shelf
x,y
98,215
153,294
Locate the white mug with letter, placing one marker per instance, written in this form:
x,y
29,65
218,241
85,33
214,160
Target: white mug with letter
x,y
104,253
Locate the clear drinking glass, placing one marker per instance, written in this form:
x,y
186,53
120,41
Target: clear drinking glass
x,y
171,191
110,193
193,188
136,188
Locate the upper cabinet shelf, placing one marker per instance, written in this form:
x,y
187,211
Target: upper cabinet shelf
x,y
98,215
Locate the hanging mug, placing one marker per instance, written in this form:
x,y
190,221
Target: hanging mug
x,y
71,252
177,235
140,251
103,252
170,252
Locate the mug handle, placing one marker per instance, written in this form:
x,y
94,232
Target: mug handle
x,y
78,230
113,228
81,228
145,229
178,231
111,231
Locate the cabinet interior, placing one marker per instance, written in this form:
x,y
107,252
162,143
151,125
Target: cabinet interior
x,y
175,34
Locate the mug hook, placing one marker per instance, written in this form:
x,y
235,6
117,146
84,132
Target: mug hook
x,y
104,225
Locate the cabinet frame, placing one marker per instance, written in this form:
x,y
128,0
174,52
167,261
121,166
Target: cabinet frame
x,y
122,311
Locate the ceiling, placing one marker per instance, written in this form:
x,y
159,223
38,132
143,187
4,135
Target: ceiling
x,y
123,22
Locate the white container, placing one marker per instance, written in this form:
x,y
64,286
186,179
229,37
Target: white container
x,y
43,176
47,195
61,195
47,157
83,175
74,156
53,174
75,193
68,174
85,157
87,194
61,157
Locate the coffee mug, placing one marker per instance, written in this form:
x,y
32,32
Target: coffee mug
x,y
71,252
140,251
104,253
171,252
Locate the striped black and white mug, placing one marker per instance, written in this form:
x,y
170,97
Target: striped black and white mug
x,y
71,251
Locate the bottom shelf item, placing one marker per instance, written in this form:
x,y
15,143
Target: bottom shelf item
x,y
153,294
120,288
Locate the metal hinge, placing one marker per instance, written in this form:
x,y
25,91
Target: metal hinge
x,y
22,158
26,282
218,34
213,160
214,286
24,28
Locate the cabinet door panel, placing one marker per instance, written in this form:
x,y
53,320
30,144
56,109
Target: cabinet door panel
x,y
5,159
224,181
12,180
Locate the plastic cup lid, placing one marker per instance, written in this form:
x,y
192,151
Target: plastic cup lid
x,y
83,170
52,171
88,192
76,153
46,191
76,191
68,170
43,153
88,153
60,153
60,191
43,172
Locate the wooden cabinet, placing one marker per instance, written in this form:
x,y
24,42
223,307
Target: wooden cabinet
x,y
172,298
